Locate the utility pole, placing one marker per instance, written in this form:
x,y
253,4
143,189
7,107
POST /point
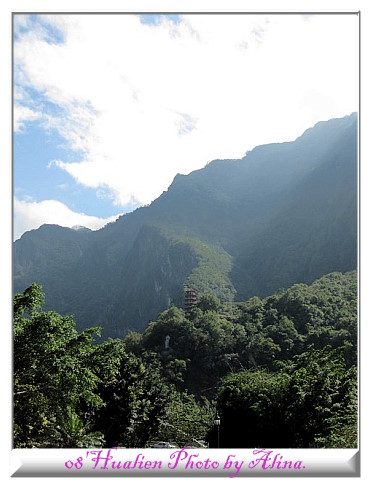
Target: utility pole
x,y
217,423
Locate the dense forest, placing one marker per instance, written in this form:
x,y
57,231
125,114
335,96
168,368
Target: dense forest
x,y
279,372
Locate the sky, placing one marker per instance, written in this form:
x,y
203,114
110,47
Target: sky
x,y
107,109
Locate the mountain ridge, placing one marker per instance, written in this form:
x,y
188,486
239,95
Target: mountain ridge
x,y
204,231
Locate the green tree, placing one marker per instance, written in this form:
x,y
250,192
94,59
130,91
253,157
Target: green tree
x,y
251,404
209,302
186,422
284,334
321,399
51,372
133,401
310,402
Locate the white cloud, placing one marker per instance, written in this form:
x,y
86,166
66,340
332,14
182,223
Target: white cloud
x,y
22,115
31,214
145,102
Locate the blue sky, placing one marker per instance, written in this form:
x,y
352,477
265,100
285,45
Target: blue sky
x,y
36,177
108,109
36,147
155,19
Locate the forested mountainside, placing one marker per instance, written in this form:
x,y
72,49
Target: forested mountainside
x,y
284,213
279,372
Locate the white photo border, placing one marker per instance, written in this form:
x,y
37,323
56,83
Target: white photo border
x,y
318,462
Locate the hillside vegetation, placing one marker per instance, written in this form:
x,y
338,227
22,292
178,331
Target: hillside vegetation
x,y
280,371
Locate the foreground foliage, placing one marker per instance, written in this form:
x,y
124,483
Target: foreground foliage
x,y
308,403
70,392
280,372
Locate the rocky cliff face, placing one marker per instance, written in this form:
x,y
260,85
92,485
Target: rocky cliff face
x,y
152,278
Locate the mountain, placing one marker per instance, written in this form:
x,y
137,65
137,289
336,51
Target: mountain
x,y
282,214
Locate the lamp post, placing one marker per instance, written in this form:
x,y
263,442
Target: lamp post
x,y
217,423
